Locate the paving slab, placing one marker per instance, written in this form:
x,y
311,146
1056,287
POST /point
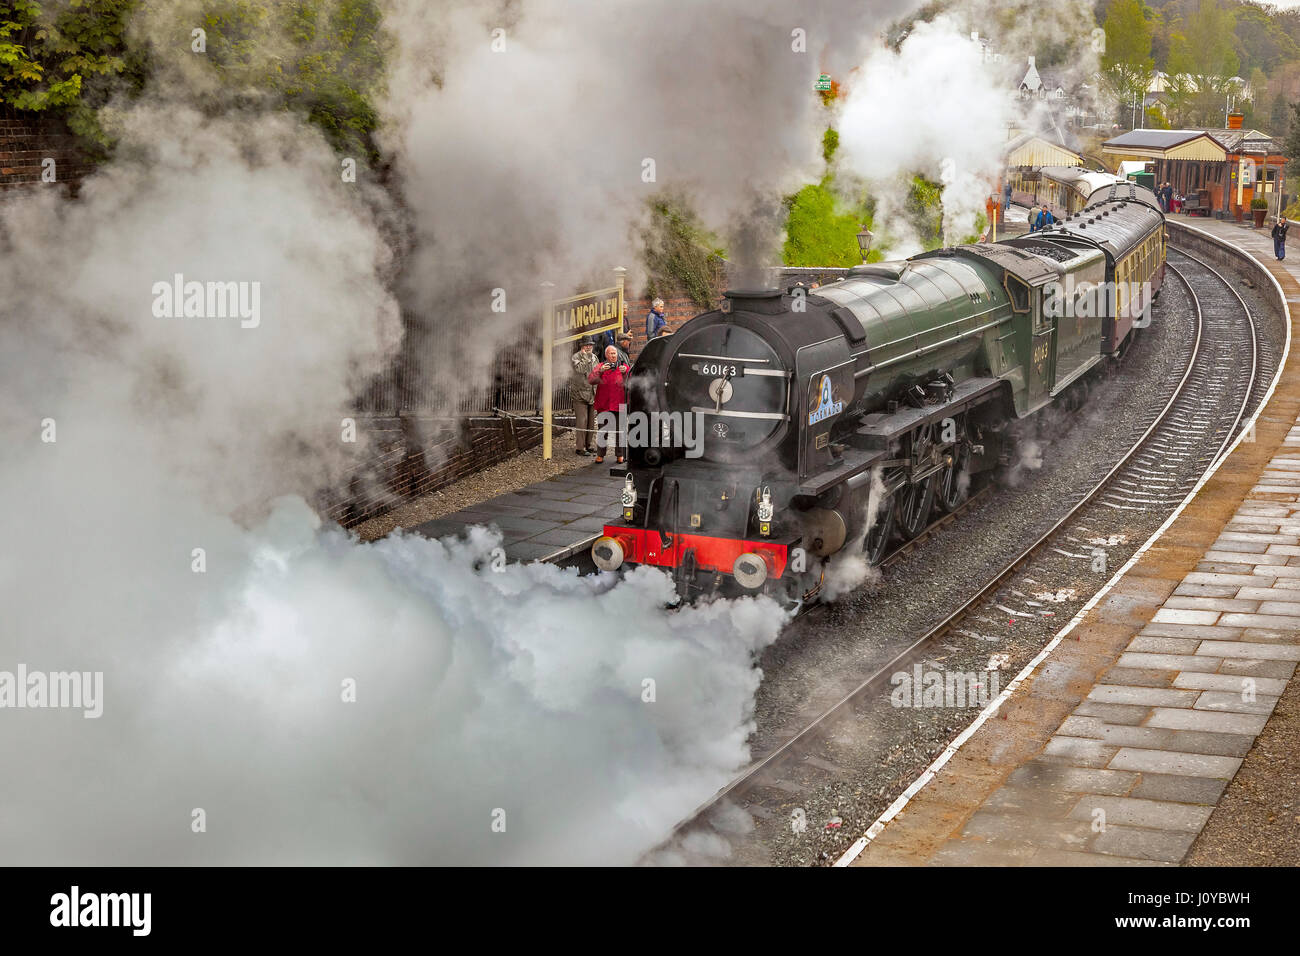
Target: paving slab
x,y
545,520
1171,762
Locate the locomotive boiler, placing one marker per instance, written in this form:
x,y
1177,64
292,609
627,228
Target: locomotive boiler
x,y
792,426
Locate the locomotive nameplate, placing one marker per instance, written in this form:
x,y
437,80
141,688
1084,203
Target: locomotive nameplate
x,y
829,393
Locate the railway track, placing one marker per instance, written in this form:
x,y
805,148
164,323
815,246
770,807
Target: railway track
x,y
1223,377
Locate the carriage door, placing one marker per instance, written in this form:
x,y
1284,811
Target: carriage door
x,y
1042,350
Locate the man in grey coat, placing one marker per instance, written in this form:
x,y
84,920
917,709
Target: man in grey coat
x,y
583,395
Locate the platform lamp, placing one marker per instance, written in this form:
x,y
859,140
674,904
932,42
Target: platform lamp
x,y
864,242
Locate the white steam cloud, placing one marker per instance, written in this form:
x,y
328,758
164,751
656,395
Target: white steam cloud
x,y
143,454
528,137
932,107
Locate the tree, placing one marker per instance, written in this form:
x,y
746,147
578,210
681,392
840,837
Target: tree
x,y
1258,108
1204,49
1291,143
679,253
1126,64
1262,43
322,58
1278,116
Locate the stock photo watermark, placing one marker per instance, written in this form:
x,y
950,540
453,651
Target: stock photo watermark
x,y
179,299
65,690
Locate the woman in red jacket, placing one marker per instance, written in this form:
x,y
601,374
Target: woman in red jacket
x,y
610,379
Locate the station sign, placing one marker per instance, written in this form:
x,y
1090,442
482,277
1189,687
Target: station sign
x,y
588,314
823,82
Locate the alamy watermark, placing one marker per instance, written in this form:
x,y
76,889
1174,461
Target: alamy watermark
x,y
1090,300
655,429
179,299
939,688
61,689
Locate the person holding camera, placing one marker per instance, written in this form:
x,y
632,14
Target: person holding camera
x,y
610,379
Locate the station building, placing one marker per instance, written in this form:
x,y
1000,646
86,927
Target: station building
x,y
1219,171
1025,154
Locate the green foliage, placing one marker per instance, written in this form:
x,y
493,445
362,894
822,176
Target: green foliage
x,y
822,231
924,211
1291,144
1259,202
830,143
323,58
679,253
1156,118
1261,41
65,57
1279,116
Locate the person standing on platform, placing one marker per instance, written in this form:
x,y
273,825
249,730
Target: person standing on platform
x,y
583,395
1045,218
610,379
1006,196
1279,237
624,347
655,322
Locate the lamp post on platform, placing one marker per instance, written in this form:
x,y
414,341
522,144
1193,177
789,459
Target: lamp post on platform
x,y
864,242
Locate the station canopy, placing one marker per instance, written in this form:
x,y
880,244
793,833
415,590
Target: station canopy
x,y
1029,149
1190,144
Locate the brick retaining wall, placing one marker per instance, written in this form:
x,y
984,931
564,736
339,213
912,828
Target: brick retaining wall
x,y
27,140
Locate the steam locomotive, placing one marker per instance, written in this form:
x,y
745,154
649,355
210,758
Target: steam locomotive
x,y
837,420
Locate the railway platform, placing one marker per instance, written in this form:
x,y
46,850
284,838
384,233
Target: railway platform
x,y
549,520
1160,728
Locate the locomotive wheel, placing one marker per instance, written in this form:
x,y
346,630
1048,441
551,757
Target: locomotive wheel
x,y
952,491
914,504
877,540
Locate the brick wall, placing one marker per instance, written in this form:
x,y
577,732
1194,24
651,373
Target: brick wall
x,y
677,309
680,308
26,140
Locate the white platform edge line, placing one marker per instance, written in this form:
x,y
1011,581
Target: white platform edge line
x,y
860,844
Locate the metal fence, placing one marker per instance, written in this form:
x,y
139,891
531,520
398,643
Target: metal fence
x,y
408,386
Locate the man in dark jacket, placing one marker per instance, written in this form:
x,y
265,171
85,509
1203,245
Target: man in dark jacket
x,y
1279,237
624,346
654,320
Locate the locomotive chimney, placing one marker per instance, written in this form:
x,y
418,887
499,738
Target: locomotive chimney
x,y
759,301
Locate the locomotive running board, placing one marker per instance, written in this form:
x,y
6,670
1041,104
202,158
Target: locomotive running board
x,y
880,429
855,461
